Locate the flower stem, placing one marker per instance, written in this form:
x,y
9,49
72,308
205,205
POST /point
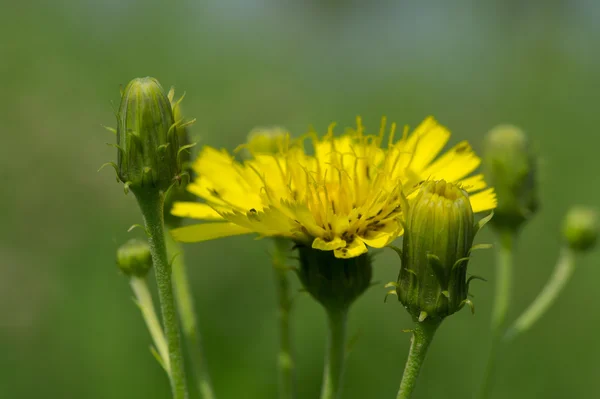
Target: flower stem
x,y
151,204
189,321
336,354
143,298
504,266
285,359
422,337
560,277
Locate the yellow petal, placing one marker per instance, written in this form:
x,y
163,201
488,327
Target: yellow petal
x,y
483,201
355,248
453,165
473,183
195,210
429,138
323,245
207,231
382,237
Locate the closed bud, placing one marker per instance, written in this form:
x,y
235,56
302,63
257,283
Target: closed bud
x,y
134,258
333,282
511,170
438,236
148,144
580,228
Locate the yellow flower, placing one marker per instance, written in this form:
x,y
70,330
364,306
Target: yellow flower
x,y
346,195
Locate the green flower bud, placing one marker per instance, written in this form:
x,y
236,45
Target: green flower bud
x,y
134,258
438,236
179,192
333,282
266,140
148,144
580,228
511,170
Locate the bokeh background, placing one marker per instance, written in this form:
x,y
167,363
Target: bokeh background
x,y
68,327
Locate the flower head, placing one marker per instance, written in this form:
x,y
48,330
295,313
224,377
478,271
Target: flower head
x,y
580,228
511,168
344,195
440,229
134,258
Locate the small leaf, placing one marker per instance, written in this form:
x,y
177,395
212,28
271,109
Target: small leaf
x,y
483,222
158,358
186,124
390,292
133,226
446,294
422,316
163,146
459,262
470,303
438,269
118,147
477,247
110,129
183,148
391,284
114,165
126,187
397,250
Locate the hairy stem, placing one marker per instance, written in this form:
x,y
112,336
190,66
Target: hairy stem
x,y
561,275
285,359
335,355
151,204
504,266
421,339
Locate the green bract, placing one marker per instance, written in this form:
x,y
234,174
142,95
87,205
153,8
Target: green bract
x,y
148,144
178,192
134,258
580,228
334,282
511,170
438,237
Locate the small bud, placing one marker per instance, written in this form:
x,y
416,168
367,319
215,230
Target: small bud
x,y
134,258
333,282
266,140
147,137
438,236
580,228
511,170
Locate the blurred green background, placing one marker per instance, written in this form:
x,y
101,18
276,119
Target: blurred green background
x,y
68,327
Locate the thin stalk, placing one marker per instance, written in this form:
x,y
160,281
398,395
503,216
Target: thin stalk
x,y
189,321
335,355
561,275
143,298
504,266
285,359
151,204
421,339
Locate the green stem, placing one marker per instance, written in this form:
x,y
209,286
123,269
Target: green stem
x,y
189,321
335,355
285,359
504,266
151,204
422,337
560,277
143,298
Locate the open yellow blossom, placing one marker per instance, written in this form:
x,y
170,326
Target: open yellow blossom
x,y
347,194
